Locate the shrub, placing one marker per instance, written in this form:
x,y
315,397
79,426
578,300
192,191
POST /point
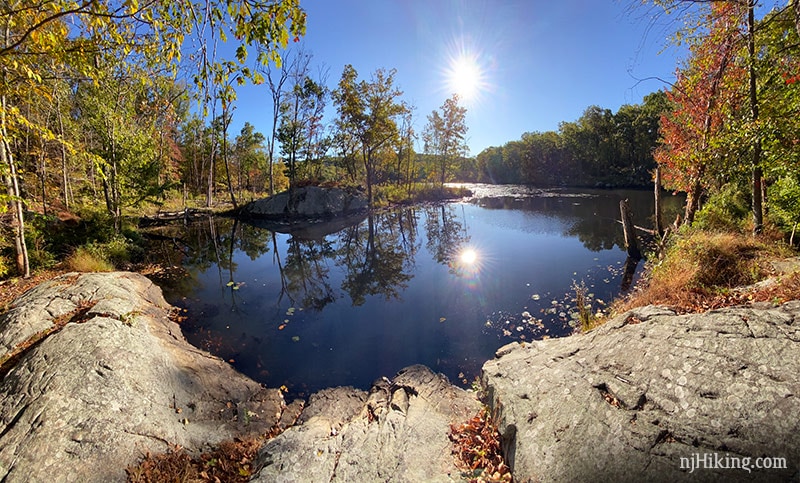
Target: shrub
x,y
701,265
725,210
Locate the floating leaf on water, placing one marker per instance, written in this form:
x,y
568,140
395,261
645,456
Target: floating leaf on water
x,y
235,287
229,284
282,326
520,328
296,338
488,323
554,302
285,321
535,296
442,319
526,314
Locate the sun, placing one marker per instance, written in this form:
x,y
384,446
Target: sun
x,y
464,78
465,75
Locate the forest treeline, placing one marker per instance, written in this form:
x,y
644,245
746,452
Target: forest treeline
x,y
600,149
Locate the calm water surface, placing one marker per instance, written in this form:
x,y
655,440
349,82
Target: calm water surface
x,y
442,285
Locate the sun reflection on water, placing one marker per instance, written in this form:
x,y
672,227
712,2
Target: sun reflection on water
x,y
468,256
468,263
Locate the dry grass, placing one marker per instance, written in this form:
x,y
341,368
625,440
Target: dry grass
x,y
701,269
83,260
232,461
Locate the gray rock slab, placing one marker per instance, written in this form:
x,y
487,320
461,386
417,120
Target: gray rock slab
x,y
307,202
398,431
94,397
650,392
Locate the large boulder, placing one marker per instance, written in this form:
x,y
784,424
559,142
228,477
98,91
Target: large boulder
x,y
83,402
398,431
307,202
653,396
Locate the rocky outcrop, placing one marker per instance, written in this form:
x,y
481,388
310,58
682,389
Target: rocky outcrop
x,y
396,432
305,203
650,392
94,374
83,402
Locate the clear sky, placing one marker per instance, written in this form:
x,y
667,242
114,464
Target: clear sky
x,y
530,63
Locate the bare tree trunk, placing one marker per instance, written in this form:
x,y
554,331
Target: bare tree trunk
x,y
225,121
631,245
657,194
17,212
210,192
64,177
43,180
758,210
8,169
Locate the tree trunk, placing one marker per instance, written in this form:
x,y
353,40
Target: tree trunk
x,y
43,180
210,192
15,201
758,211
225,154
692,203
64,177
657,194
8,169
631,245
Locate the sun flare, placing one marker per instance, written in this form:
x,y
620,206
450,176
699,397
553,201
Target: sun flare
x,y
468,256
465,76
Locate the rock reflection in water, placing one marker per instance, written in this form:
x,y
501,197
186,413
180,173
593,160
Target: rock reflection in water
x,y
316,308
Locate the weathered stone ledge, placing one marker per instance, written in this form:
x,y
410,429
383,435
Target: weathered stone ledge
x,y
119,381
629,400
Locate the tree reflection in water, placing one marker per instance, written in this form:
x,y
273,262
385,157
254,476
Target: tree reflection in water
x,y
441,285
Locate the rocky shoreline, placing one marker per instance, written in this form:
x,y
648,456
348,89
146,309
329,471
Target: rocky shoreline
x,y
96,374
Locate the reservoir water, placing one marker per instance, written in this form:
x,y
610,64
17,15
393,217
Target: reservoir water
x,y
443,285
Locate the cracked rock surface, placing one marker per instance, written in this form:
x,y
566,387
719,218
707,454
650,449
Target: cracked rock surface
x,y
118,380
398,431
627,401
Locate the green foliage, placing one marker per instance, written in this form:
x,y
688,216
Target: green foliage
x,y
445,135
785,202
5,266
367,126
600,148
725,210
126,56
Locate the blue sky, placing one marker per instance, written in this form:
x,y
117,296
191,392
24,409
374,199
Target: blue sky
x,y
540,61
